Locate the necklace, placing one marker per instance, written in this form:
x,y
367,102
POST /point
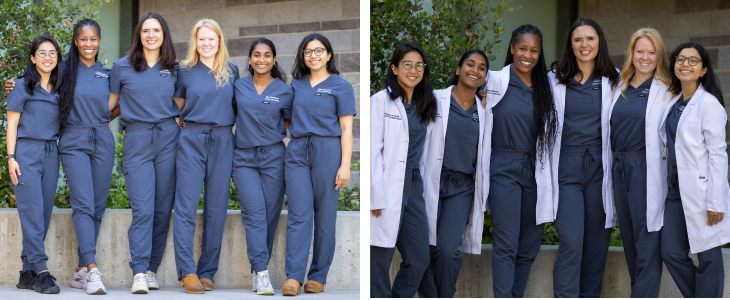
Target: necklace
x,y
459,99
263,85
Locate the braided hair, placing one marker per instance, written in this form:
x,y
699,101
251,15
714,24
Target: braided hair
x,y
545,116
70,70
276,71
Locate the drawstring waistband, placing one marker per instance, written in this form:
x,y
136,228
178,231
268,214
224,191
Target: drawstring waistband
x,y
309,141
209,131
91,130
258,151
527,157
48,147
449,178
153,127
621,157
309,145
586,157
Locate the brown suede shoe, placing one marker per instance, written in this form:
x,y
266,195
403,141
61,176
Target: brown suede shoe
x,y
192,284
292,287
207,283
313,287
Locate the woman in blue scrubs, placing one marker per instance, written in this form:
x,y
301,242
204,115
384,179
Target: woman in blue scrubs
x,y
143,83
204,153
264,107
317,161
31,138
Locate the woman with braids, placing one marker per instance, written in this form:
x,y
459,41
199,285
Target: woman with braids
x,y
693,134
582,86
519,139
402,117
636,177
143,83
204,158
264,109
454,158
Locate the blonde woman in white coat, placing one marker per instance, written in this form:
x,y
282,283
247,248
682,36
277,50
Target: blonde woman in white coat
x,y
636,176
693,130
402,116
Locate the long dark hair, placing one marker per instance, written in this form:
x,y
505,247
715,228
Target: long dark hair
x,y
300,68
167,50
31,74
709,81
455,79
423,96
566,67
70,70
545,116
276,71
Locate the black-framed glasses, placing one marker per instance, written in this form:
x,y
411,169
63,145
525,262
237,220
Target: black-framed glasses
x,y
407,64
319,51
51,53
692,60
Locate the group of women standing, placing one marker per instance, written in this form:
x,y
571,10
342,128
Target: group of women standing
x,y
583,146
165,166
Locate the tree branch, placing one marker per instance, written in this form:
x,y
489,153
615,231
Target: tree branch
x,y
12,40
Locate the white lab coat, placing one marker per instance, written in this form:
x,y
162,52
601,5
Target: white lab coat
x,y
702,166
388,155
558,91
497,83
656,164
434,154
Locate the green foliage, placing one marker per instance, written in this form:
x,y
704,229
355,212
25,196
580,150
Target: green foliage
x,y
549,235
451,29
63,198
117,198
349,198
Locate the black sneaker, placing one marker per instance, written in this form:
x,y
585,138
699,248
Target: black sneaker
x,y
45,284
27,279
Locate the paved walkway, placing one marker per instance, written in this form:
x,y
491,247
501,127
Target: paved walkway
x,y
11,292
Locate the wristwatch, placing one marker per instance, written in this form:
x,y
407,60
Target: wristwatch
x,y
10,156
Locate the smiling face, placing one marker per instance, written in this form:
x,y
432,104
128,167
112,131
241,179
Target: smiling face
x,y
526,52
314,62
409,79
473,71
585,43
46,64
88,41
645,56
206,42
262,59
687,73
151,34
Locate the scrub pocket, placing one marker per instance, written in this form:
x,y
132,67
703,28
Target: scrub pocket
x,y
167,85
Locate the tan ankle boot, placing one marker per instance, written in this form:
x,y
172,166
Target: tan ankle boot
x,y
313,287
192,284
292,287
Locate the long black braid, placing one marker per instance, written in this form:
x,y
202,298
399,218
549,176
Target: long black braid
x,y
70,70
546,118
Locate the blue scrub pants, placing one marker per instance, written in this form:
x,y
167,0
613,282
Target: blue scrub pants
x,y
641,247
149,171
513,202
310,169
412,243
258,174
34,195
705,281
580,223
87,155
456,195
204,158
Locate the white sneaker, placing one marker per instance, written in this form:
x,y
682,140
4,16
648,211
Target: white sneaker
x,y
94,286
79,281
140,284
264,285
152,283
254,285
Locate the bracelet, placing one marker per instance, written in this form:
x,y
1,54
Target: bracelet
x,y
10,156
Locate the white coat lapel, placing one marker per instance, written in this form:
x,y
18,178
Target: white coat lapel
x,y
656,85
690,105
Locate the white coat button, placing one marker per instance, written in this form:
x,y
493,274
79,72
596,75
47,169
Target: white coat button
x,y
649,165
648,145
681,187
679,167
647,124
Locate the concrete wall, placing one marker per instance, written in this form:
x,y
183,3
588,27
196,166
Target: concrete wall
x,y
475,278
113,251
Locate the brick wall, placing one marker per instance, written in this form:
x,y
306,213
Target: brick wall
x,y
285,22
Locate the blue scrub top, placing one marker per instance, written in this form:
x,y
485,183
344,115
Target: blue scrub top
x,y
39,112
260,118
91,96
514,123
416,134
316,110
628,119
582,123
204,103
144,97
462,139
671,127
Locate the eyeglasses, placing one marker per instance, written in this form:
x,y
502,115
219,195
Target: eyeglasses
x,y
319,51
407,64
51,53
692,60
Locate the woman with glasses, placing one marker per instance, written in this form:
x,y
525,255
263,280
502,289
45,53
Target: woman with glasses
x,y
317,161
401,118
32,132
693,132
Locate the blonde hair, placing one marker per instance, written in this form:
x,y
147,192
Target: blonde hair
x,y
662,68
220,67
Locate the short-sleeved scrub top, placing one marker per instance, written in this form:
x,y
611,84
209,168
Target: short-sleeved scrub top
x,y
462,139
260,118
316,110
514,117
39,112
91,96
205,102
582,123
628,119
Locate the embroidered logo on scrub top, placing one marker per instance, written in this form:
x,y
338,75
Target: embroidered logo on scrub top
x,y
163,73
644,93
493,92
598,83
475,117
327,91
100,75
394,117
272,98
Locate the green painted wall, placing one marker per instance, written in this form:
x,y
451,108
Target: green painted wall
x,y
109,21
541,13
